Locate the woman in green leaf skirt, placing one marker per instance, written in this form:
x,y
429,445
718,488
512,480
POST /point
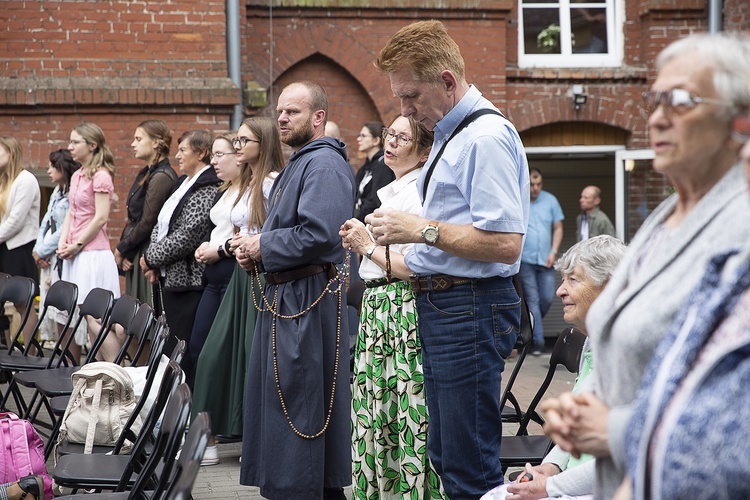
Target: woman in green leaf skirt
x,y
389,412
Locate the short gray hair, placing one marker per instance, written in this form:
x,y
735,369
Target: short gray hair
x,y
729,55
597,256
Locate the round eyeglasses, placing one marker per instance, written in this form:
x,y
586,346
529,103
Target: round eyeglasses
x,y
220,154
401,139
241,142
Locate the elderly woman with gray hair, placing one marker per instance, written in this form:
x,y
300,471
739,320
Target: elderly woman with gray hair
x,y
700,90
585,268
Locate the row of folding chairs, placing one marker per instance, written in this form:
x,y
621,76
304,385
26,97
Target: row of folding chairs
x,y
49,377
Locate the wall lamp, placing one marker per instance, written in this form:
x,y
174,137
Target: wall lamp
x,y
579,98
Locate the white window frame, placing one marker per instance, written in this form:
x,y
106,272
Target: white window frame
x,y
566,59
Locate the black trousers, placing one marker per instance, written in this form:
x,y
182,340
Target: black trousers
x,y
180,309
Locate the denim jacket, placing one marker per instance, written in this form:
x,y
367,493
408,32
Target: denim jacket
x,y
51,225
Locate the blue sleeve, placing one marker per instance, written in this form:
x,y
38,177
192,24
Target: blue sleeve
x,y
489,174
326,201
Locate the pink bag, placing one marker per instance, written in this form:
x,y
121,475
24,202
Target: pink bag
x,y
21,451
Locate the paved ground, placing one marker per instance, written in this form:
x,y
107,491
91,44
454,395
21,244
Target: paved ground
x,y
222,481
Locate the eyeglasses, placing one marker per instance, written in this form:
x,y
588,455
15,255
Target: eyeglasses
x,y
75,143
675,101
401,139
241,142
221,154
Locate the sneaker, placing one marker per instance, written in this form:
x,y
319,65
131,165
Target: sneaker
x,y
537,351
211,456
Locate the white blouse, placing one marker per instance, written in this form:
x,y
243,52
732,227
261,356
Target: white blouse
x,y
400,194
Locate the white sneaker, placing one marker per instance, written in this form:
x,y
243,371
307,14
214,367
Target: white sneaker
x,y
211,456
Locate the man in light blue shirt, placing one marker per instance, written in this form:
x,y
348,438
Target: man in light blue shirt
x,y
475,193
540,249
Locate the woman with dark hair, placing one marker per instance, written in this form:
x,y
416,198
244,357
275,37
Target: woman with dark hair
x,y
169,260
84,243
60,170
19,218
153,184
373,175
222,366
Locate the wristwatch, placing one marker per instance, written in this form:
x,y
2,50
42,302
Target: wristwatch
x,y
430,234
222,253
370,251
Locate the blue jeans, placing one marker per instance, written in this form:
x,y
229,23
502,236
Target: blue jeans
x,y
539,290
466,333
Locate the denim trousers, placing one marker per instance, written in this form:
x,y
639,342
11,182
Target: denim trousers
x,y
539,290
466,333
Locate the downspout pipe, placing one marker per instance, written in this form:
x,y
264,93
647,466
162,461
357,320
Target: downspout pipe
x,y
234,61
715,20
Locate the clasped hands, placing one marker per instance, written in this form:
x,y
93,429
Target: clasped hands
x,y
394,226
577,423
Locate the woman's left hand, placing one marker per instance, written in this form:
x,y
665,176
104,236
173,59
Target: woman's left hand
x,y
152,276
532,489
144,266
355,236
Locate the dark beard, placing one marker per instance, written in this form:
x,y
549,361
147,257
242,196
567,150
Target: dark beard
x,y
299,137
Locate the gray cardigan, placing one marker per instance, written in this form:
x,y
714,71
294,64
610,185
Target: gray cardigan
x,y
626,322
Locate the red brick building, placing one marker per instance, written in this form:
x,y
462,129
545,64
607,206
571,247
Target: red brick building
x,y
118,62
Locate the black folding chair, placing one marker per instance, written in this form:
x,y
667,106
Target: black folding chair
x,y
98,304
18,290
516,451
180,484
97,471
62,296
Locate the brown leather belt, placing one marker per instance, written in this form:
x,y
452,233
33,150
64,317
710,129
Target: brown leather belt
x,y
299,273
379,282
436,282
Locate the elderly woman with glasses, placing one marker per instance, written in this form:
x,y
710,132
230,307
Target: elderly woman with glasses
x,y
389,414
183,220
700,88
585,268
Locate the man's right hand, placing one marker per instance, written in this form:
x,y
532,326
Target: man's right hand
x,y
394,226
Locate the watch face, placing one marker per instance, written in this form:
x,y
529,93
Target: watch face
x,y
430,235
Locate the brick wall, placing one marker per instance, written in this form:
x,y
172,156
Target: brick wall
x,y
116,64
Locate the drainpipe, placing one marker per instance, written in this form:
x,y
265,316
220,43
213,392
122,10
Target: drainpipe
x,y
234,62
715,20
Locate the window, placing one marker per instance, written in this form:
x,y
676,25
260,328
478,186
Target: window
x,y
569,33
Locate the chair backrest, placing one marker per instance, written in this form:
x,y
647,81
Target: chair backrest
x,y
138,455
180,485
19,290
153,368
63,296
137,329
122,314
567,352
168,440
179,351
97,304
4,277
